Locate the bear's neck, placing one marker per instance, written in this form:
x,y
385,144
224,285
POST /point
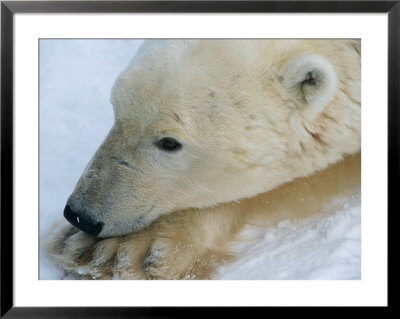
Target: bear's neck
x,y
321,192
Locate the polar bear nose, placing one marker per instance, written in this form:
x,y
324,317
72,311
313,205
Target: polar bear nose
x,y
81,222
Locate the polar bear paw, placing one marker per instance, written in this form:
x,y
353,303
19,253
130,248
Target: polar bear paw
x,y
164,250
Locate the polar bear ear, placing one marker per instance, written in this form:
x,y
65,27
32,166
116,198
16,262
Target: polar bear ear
x,y
311,80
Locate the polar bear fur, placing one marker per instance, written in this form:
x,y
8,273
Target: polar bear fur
x,y
261,124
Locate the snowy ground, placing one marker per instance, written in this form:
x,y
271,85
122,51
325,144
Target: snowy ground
x,y
75,115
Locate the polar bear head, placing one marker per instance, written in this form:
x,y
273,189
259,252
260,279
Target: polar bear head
x,y
201,122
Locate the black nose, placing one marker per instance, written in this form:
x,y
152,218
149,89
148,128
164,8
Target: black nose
x,y
85,224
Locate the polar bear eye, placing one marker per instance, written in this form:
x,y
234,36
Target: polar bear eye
x,y
168,144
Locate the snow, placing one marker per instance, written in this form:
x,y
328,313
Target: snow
x,y
320,247
76,77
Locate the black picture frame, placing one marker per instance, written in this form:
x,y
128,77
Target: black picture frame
x,y
9,8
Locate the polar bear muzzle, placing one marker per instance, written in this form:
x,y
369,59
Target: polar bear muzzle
x,y
81,222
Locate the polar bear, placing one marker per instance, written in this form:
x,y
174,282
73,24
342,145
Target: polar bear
x,y
210,135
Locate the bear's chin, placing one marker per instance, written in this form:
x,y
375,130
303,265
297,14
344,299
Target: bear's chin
x,y
124,230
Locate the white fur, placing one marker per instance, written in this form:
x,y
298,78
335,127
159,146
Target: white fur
x,y
236,108
248,125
